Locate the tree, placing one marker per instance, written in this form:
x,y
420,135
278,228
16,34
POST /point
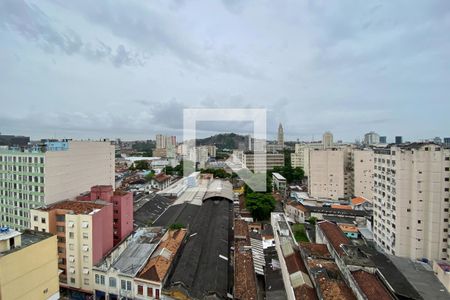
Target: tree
x,y
175,226
141,165
312,220
260,205
150,176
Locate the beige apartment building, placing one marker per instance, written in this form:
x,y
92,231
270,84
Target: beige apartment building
x,y
50,172
28,265
261,162
363,173
331,173
300,158
411,200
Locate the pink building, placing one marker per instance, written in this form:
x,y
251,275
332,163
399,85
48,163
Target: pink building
x,y
122,208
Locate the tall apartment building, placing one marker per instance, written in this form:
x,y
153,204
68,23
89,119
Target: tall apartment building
x,y
28,265
331,173
300,158
122,208
162,141
84,231
46,173
363,173
411,200
371,138
327,140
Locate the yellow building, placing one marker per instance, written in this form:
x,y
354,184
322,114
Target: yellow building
x,y
28,265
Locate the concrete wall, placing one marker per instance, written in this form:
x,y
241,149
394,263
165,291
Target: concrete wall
x,y
71,172
363,173
30,273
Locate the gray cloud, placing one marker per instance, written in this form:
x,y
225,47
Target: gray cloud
x,y
33,24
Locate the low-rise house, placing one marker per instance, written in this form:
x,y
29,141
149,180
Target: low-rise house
x,y
160,181
296,212
150,280
115,274
296,280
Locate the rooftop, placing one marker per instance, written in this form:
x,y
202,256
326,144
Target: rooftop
x,y
151,210
138,250
329,280
358,200
272,275
337,211
202,269
278,176
305,292
348,228
28,237
161,177
221,189
371,286
77,207
315,250
244,272
334,235
421,277
158,265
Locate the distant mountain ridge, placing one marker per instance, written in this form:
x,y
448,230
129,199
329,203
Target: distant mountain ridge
x,y
223,140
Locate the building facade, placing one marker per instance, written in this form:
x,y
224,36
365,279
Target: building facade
x,y
260,162
280,139
28,265
84,231
331,173
46,173
327,140
300,158
411,200
363,173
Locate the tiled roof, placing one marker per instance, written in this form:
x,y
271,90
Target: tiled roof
x,y
348,228
295,263
315,250
78,207
305,292
157,267
334,235
240,229
339,206
298,206
371,286
161,177
358,200
244,274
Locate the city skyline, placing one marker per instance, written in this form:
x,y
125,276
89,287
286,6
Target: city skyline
x,y
105,69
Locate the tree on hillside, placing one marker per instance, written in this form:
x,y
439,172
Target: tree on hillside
x,y
260,205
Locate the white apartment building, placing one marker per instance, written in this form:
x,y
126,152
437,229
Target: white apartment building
x,y
331,173
300,158
371,138
411,200
327,140
50,172
363,173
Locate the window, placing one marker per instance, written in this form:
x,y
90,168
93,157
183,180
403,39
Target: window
x,y
123,284
149,292
86,281
72,280
97,278
85,235
60,218
35,218
60,228
71,235
112,282
43,220
102,280
140,290
156,294
129,285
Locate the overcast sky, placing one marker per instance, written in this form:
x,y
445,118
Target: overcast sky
x,y
89,69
